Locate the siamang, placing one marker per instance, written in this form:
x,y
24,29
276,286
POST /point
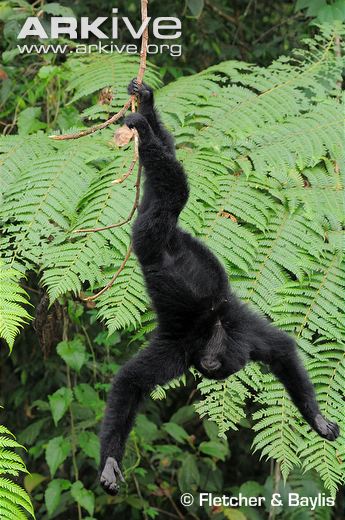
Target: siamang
x,y
200,320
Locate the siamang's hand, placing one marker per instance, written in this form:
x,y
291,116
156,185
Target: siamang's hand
x,y
325,428
142,91
111,472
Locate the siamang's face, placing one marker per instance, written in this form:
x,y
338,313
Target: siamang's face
x,y
220,357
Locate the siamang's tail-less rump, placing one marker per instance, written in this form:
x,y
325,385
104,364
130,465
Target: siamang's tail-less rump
x,y
200,321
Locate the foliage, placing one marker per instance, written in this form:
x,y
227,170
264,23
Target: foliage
x,y
13,499
170,451
12,297
263,147
262,180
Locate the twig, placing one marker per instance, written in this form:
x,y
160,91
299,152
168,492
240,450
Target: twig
x,y
144,43
171,515
120,113
221,13
131,101
169,497
337,52
72,425
272,29
125,221
114,278
136,153
139,495
95,128
276,482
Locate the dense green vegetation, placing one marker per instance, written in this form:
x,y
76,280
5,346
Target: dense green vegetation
x,y
257,113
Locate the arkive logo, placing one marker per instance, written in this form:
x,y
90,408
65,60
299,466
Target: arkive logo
x,y
163,28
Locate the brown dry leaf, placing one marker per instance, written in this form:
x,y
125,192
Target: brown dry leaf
x,y
225,214
3,74
123,135
105,96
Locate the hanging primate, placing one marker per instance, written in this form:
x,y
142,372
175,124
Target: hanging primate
x,y
200,320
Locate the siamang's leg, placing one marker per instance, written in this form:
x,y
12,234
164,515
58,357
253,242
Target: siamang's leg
x,y
147,109
165,194
278,350
155,365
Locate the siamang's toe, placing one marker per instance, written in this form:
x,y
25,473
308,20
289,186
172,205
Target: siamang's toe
x,y
326,429
110,473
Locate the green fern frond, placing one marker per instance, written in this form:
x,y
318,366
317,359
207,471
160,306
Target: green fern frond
x,y
159,393
263,147
223,402
92,73
13,315
13,499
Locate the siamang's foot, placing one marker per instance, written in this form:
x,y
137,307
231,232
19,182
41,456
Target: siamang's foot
x,y
326,429
142,91
111,472
140,123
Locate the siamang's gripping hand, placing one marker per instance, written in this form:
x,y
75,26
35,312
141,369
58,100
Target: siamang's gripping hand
x,y
325,428
110,476
139,122
142,91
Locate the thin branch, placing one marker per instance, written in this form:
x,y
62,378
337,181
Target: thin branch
x,y
120,113
144,43
125,221
114,118
272,29
221,13
114,278
95,128
136,153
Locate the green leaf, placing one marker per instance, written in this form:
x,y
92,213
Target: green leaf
x,y
211,429
89,398
196,7
183,414
58,10
33,480
59,403
73,353
188,475
28,121
214,449
83,496
251,488
89,443
146,429
52,494
177,432
57,451
233,514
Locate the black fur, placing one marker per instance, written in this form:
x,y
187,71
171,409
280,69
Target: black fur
x,y
200,321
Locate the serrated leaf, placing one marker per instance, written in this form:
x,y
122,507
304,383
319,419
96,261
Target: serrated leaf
x,y
89,443
73,353
59,403
57,451
83,496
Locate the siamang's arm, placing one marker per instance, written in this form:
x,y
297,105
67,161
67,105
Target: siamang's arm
x,y
147,109
165,194
277,349
155,365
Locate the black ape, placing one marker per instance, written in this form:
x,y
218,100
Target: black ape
x,y
200,321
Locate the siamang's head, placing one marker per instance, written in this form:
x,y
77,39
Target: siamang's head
x,y
221,355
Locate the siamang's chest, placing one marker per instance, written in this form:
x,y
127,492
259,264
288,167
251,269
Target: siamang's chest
x,y
192,272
